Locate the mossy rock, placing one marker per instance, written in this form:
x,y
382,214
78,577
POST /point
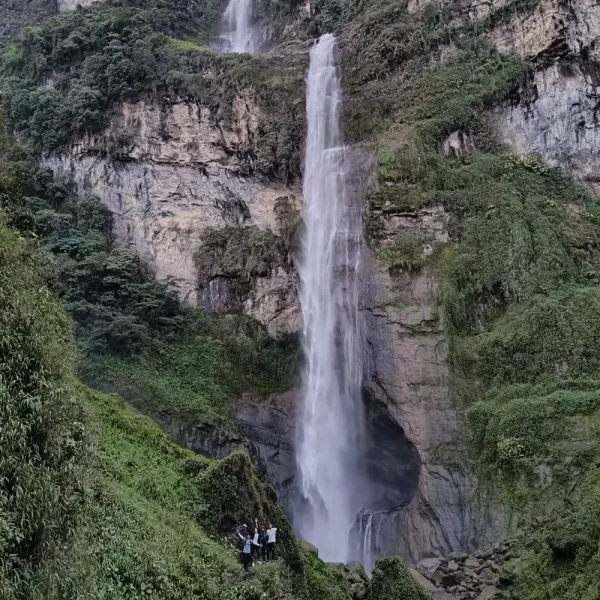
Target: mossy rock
x,y
392,581
231,492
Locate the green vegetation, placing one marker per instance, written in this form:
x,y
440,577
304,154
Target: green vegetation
x,y
43,436
240,253
63,78
151,506
392,581
175,363
562,561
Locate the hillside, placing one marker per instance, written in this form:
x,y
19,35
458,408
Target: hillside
x,y
151,186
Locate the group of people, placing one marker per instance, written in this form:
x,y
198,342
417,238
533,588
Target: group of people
x,y
259,545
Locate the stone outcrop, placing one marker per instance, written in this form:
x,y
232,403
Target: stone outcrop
x,y
555,113
268,427
551,28
556,117
167,171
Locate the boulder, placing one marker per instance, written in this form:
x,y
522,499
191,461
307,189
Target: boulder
x,y
451,567
428,566
423,581
488,575
460,557
355,572
488,593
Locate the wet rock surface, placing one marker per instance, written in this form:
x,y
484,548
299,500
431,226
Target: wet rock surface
x,y
406,373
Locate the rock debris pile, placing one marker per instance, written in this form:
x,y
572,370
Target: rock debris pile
x,y
466,577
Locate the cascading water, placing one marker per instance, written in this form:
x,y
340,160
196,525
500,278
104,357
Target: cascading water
x,y
237,27
331,478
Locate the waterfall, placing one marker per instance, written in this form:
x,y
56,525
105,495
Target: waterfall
x,y
367,540
237,30
331,477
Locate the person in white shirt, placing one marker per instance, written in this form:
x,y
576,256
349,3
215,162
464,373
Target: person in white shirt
x,y
271,539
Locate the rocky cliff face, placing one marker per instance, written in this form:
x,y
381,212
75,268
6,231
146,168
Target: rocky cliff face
x,y
554,114
406,355
168,171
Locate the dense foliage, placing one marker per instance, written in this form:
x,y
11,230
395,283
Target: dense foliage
x,y
64,78
135,338
42,431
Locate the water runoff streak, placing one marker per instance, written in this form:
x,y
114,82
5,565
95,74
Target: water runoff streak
x,y
237,27
331,477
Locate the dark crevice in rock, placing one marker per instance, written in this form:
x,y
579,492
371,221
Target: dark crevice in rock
x,y
393,463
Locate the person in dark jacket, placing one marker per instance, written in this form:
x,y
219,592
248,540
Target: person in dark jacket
x,y
262,540
256,546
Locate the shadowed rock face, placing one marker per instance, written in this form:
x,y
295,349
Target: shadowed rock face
x,y
407,372
393,464
269,428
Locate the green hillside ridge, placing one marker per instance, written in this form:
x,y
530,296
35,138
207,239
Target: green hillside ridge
x,y
135,338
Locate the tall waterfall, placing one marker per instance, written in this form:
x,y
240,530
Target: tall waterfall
x,y
331,478
237,26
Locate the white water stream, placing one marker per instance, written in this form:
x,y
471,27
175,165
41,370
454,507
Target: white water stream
x,y
331,477
237,27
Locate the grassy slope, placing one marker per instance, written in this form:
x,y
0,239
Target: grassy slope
x,y
139,535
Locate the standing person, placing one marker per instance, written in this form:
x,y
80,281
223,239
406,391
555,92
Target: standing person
x,y
256,543
262,540
246,550
271,539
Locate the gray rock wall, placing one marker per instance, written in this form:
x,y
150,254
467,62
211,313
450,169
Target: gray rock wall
x,y
167,171
407,372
